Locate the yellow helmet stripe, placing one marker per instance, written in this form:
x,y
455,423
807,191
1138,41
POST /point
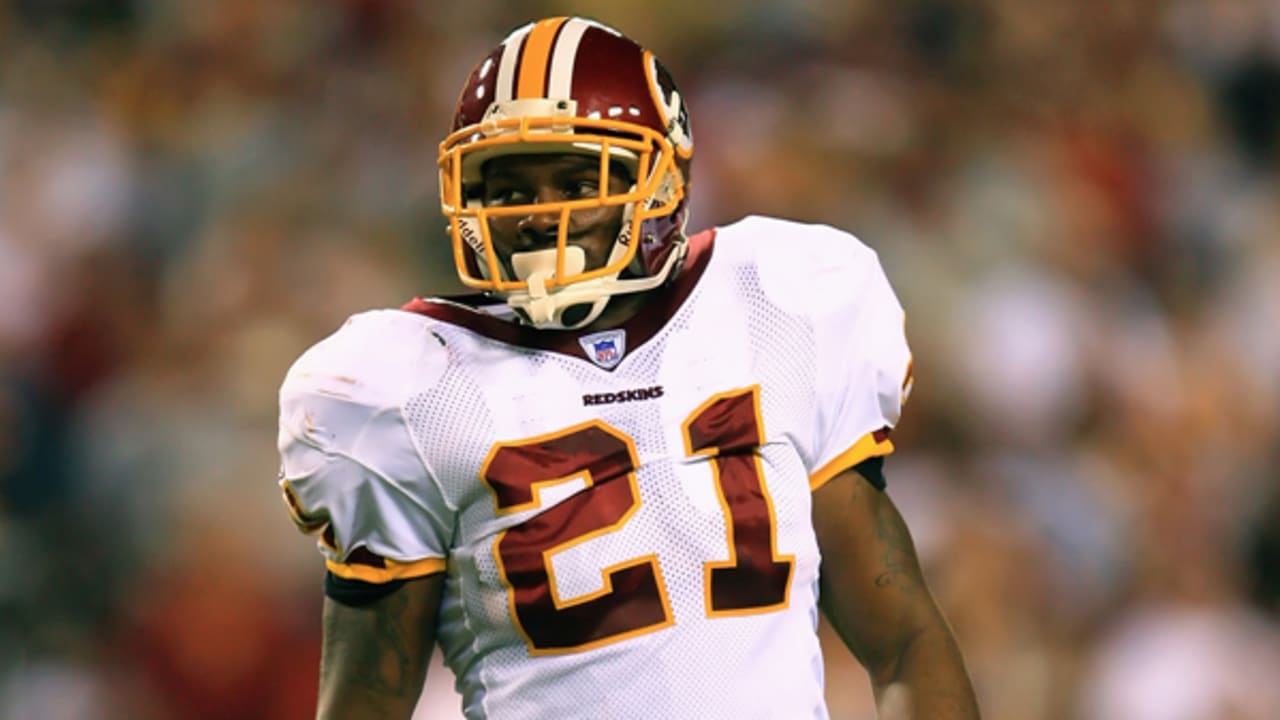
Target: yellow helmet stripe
x,y
536,58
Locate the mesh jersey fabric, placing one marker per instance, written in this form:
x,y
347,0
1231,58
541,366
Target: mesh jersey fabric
x,y
632,542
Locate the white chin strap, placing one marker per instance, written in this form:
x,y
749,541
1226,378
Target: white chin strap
x,y
545,308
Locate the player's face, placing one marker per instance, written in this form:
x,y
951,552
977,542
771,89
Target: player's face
x,y
527,179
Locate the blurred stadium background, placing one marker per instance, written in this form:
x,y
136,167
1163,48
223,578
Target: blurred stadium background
x,y
1079,203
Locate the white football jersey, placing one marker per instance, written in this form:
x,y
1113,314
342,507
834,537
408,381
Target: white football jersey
x,y
623,517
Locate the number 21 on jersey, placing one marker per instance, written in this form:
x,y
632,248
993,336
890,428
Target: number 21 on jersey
x,y
728,431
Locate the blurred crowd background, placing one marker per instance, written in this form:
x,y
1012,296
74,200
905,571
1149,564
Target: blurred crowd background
x,y
1079,203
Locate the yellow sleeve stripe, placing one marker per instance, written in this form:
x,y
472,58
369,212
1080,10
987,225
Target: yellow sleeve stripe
x,y
392,571
870,445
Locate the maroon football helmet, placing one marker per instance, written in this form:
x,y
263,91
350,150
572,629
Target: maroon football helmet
x,y
570,85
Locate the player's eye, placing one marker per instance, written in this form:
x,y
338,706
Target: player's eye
x,y
497,195
582,188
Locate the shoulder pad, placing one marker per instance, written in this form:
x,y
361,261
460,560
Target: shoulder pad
x,y
802,266
375,358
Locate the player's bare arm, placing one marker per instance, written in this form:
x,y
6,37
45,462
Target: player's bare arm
x,y
374,657
875,596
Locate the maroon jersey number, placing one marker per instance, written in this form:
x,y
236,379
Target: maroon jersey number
x,y
727,428
633,599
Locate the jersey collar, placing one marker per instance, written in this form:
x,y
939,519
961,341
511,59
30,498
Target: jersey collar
x,y
464,310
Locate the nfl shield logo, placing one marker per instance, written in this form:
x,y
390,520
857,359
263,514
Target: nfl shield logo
x,y
606,351
605,348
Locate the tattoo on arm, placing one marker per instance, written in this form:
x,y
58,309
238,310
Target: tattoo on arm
x,y
897,553
380,663
875,595
375,656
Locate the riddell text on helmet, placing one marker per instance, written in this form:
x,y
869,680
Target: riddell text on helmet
x,y
648,393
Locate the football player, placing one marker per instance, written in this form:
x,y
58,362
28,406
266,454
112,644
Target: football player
x,y
622,479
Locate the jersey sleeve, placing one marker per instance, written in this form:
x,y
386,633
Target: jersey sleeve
x,y
864,366
351,472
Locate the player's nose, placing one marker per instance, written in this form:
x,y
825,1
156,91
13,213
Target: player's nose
x,y
539,227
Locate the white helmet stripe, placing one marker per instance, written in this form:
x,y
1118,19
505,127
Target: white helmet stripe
x,y
506,85
563,58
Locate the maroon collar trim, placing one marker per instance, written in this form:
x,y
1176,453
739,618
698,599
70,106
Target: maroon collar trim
x,y
461,310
